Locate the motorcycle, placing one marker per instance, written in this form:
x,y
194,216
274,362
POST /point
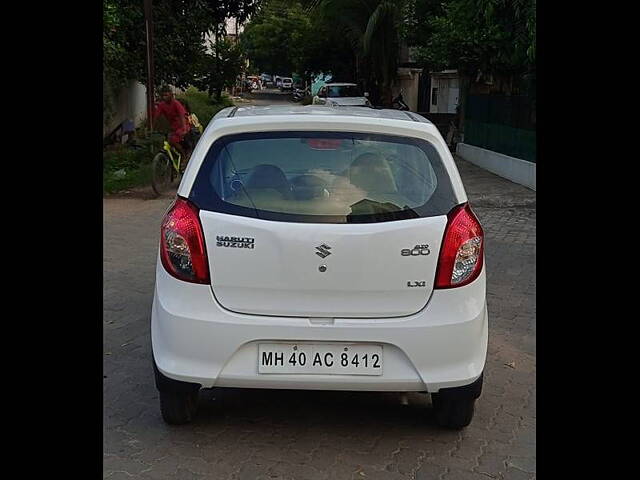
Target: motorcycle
x,y
398,103
299,94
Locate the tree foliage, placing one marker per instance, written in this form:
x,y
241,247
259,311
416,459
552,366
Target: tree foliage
x,y
220,67
276,37
328,51
179,27
491,36
112,51
180,54
372,28
355,40
287,36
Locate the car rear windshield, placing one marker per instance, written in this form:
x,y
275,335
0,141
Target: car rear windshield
x,y
343,91
323,177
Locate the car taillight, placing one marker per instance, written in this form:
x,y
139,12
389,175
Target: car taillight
x,y
182,247
462,250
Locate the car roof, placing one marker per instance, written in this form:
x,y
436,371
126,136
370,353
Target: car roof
x,y
254,110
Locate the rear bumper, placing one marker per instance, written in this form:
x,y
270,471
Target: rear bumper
x,y
196,340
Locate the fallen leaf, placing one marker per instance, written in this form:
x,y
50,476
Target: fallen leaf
x,y
488,474
511,364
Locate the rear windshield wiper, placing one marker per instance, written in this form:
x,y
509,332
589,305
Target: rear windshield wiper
x,y
367,206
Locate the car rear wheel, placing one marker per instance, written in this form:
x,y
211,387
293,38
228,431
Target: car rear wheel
x,y
178,408
454,407
453,413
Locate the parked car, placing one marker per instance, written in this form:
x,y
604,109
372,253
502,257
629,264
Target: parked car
x,y
341,94
320,248
267,80
286,84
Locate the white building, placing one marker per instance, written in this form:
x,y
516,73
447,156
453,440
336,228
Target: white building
x,y
445,92
130,104
407,81
233,28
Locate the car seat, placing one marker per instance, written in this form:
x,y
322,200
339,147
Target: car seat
x,y
267,178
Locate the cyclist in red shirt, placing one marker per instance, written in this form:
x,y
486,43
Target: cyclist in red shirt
x,y
175,113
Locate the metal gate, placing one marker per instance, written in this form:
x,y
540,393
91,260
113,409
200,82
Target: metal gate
x,y
502,123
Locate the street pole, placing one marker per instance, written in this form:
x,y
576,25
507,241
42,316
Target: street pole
x,y
148,22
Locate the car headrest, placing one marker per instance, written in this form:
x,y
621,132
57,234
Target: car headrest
x,y
268,176
372,173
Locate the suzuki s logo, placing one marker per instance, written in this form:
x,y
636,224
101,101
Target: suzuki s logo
x,y
323,250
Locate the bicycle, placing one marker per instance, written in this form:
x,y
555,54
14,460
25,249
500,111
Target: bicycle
x,y
165,168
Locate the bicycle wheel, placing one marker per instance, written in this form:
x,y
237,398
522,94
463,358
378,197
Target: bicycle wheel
x,y
162,175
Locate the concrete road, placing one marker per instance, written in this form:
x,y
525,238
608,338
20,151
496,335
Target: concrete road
x,y
273,434
269,97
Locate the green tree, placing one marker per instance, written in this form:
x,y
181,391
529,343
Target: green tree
x,y
220,68
326,50
491,36
288,36
373,29
479,38
113,78
180,54
275,39
180,27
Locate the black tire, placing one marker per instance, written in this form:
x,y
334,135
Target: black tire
x,y
454,413
178,407
162,174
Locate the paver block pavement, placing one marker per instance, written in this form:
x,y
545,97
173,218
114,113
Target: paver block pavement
x,y
274,434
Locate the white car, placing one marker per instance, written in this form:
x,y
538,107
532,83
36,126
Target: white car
x,y
320,248
286,84
341,95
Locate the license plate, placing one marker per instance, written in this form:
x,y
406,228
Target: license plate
x,y
320,359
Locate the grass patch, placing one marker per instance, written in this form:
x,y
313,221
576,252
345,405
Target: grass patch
x,y
126,166
129,166
132,178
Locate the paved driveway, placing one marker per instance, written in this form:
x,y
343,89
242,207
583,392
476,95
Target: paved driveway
x,y
271,434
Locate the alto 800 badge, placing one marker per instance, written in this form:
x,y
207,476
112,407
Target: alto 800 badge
x,y
415,251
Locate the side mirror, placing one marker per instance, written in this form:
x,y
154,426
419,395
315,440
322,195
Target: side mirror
x,y
366,94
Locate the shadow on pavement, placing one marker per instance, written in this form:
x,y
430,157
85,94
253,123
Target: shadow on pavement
x,y
306,407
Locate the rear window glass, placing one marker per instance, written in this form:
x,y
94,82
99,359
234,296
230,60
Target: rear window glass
x,y
343,91
323,177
